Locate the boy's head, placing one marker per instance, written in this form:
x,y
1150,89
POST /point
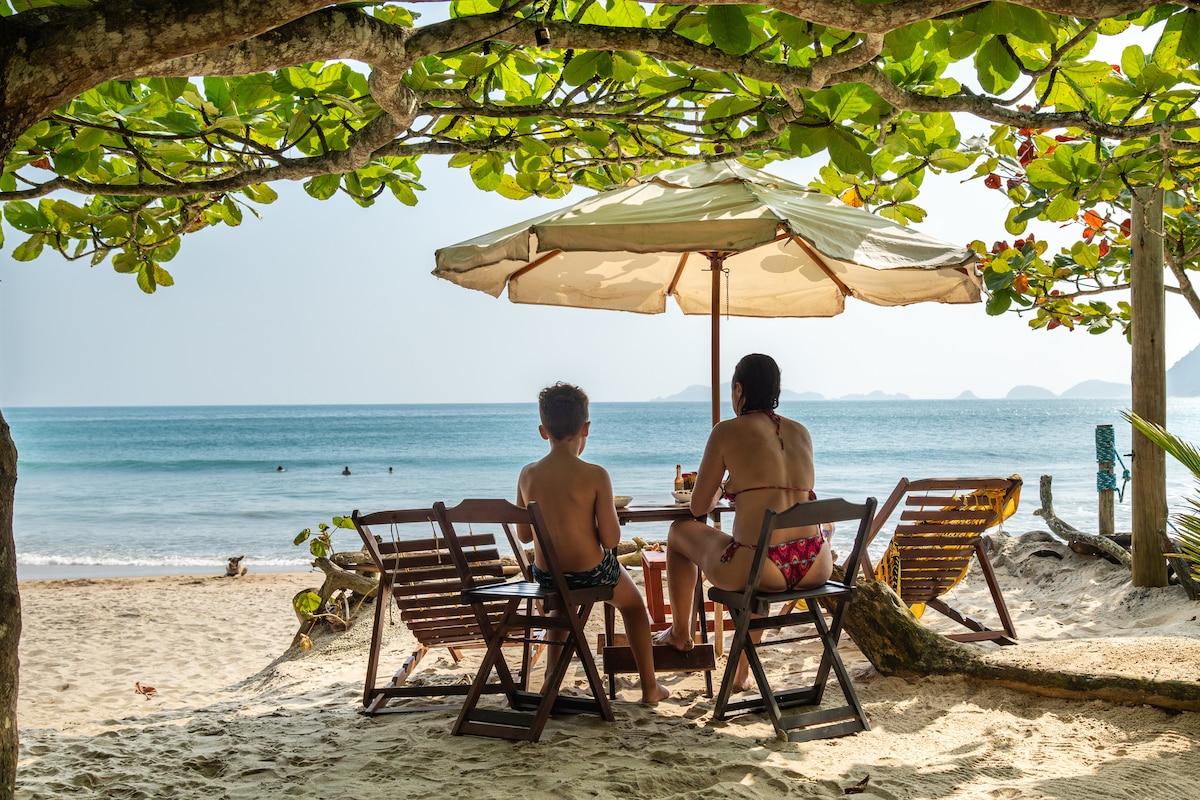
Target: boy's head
x,y
564,410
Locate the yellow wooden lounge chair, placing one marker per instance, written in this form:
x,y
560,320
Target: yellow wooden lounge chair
x,y
940,530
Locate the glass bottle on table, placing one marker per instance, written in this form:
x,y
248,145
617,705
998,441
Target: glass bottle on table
x,y
679,477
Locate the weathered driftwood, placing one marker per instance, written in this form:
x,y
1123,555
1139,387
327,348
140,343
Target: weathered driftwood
x,y
336,579
1180,565
1066,531
896,643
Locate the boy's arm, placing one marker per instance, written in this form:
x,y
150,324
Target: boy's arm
x,y
608,528
524,532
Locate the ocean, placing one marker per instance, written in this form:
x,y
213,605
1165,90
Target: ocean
x,y
142,490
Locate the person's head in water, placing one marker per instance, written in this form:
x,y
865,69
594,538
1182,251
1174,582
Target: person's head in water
x,y
563,409
279,468
346,471
389,470
758,377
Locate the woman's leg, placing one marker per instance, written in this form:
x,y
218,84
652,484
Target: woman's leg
x,y
691,547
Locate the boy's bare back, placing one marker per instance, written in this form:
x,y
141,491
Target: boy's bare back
x,y
576,499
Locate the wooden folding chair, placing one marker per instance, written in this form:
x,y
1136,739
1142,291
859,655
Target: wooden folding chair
x,y
750,609
940,531
567,612
418,573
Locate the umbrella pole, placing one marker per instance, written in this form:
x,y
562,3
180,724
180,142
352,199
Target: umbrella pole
x,y
716,263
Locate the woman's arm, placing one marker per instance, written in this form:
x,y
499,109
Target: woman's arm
x,y
707,491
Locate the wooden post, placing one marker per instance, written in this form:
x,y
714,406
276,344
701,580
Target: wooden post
x,y
1149,379
1108,520
716,264
1106,481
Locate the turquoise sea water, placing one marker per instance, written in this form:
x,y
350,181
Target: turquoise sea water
x,y
105,491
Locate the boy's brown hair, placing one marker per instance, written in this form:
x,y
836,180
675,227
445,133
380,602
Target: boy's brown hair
x,y
563,409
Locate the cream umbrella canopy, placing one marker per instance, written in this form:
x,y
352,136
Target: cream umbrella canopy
x,y
782,251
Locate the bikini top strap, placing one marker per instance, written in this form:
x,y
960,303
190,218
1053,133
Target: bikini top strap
x,y
771,415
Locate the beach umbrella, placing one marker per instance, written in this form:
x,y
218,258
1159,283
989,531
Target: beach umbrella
x,y
780,250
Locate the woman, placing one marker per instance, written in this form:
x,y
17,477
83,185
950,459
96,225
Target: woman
x,y
769,463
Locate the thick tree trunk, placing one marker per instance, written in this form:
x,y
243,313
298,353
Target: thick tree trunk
x,y
1149,379
896,643
10,617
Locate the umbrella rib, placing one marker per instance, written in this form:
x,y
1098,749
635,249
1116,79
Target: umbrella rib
x,y
678,274
816,257
532,265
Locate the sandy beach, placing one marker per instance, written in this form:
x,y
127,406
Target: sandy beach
x,y
236,714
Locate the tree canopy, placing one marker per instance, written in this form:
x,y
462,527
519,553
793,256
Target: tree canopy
x,y
130,123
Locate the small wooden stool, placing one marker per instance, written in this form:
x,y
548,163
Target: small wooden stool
x,y
618,657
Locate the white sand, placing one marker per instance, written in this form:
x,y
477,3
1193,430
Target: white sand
x,y
236,717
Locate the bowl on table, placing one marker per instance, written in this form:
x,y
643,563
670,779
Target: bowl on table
x,y
682,495
621,500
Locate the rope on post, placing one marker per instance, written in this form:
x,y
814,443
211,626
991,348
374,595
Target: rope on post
x,y
1106,457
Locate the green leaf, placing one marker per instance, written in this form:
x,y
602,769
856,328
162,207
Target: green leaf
x,y
583,67
145,280
485,174
1062,208
729,29
69,212
125,263
307,603
323,187
1133,61
950,160
29,249
999,303
594,138
467,8
847,154
89,139
262,193
995,66
24,216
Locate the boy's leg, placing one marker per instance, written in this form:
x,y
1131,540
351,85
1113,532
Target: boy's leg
x,y
628,600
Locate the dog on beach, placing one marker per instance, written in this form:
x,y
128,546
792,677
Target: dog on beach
x,y
234,568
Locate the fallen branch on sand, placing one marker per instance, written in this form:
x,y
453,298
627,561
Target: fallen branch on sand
x,y
1072,535
337,580
896,643
1067,532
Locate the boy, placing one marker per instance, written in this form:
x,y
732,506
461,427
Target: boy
x,y
576,499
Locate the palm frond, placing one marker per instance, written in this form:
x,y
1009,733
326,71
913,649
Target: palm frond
x,y
1187,524
1183,452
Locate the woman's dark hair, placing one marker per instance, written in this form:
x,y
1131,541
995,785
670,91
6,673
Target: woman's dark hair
x,y
759,377
563,409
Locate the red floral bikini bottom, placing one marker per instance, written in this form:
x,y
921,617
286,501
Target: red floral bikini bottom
x,y
794,558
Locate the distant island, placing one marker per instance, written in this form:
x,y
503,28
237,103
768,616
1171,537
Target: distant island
x,y
1087,390
1183,380
698,393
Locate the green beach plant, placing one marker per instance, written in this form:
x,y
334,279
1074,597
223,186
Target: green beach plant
x,y
321,544
309,605
1187,523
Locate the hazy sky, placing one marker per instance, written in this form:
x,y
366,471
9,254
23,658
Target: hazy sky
x,y
324,302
